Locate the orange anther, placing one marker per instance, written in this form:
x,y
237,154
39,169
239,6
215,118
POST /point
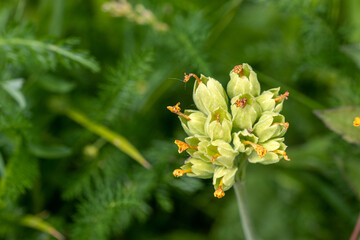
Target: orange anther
x,y
241,102
238,69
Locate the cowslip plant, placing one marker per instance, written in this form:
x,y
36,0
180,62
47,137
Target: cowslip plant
x,y
231,128
250,124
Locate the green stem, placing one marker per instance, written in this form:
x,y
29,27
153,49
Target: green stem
x,y
240,193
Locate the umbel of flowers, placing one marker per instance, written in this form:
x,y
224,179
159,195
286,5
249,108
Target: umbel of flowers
x,y
240,123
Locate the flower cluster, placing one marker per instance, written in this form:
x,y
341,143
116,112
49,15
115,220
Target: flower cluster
x,y
221,131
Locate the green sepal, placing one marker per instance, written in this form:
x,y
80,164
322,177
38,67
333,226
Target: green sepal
x,y
244,118
224,149
270,157
248,83
267,100
194,126
264,128
228,176
244,135
201,142
219,129
199,168
209,95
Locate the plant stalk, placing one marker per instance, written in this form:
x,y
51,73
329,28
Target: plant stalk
x,y
243,207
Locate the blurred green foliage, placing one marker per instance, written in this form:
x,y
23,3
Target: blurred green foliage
x,y
57,174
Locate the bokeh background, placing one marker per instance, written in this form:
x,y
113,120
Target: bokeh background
x,y
118,65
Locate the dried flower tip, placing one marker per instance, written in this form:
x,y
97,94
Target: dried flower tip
x,y
238,70
241,102
282,153
260,150
180,172
176,109
187,77
219,192
356,122
281,97
183,146
215,157
285,124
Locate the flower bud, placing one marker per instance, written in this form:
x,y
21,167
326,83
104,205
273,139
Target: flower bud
x,y
275,151
244,114
199,168
270,100
218,125
209,95
270,125
243,80
219,152
196,123
224,175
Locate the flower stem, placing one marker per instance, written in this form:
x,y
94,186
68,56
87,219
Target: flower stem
x,y
240,193
243,210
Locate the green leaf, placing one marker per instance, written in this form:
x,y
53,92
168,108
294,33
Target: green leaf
x,y
2,167
163,199
353,51
340,120
50,152
61,51
56,84
114,138
13,87
189,185
353,169
105,209
39,224
21,171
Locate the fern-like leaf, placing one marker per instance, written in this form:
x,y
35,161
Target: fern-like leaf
x,y
98,217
